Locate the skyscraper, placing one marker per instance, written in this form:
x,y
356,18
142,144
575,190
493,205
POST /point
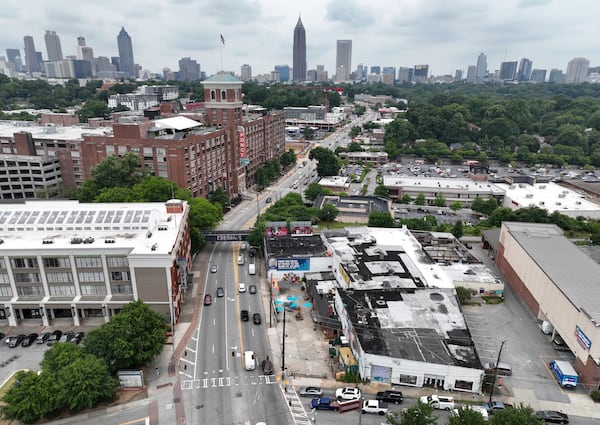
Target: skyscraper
x,y
246,72
556,76
31,62
84,52
524,73
126,62
284,72
577,70
14,56
343,60
421,73
189,69
471,74
538,75
299,62
481,70
508,71
53,46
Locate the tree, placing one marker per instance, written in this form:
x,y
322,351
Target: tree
x,y
288,158
27,400
381,191
420,199
220,197
328,213
467,416
457,229
354,147
518,415
309,133
380,219
327,163
500,215
463,294
355,131
456,205
131,338
440,201
406,199
314,190
421,414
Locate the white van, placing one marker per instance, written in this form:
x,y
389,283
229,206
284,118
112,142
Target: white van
x,y
240,260
249,360
251,269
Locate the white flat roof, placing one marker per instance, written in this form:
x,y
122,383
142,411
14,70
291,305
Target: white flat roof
x,y
334,181
432,183
8,129
177,123
549,196
135,226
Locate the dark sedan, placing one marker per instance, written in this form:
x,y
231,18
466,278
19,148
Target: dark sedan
x,y
256,318
54,337
29,339
14,341
77,338
552,416
42,338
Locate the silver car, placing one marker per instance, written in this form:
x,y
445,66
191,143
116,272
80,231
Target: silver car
x,y
310,392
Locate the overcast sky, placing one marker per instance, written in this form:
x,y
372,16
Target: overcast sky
x,y
446,34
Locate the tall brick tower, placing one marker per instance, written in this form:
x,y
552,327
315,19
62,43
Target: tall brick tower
x,y
223,103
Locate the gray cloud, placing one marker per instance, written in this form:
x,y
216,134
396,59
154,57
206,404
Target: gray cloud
x,y
350,13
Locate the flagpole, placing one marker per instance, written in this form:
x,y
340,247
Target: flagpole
x,y
222,44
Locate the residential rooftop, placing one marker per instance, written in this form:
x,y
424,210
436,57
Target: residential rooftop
x,y
447,184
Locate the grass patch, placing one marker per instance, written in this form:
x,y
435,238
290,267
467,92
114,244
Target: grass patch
x,y
493,300
4,389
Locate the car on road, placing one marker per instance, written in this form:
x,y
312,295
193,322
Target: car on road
x,y
494,406
268,200
252,289
214,268
241,287
14,341
29,339
207,299
390,396
375,406
440,402
77,338
310,392
552,416
324,403
256,318
54,337
220,292
42,338
244,315
347,393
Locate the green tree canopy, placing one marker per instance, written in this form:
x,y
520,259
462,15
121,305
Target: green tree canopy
x,y
381,191
328,213
380,219
421,414
420,199
458,229
314,190
327,162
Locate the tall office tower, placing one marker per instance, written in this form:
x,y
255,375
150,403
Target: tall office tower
x,y
14,57
84,52
126,62
577,70
299,60
524,72
376,70
458,75
538,75
311,75
53,46
481,70
389,70
556,76
471,74
403,74
284,72
343,60
189,69
361,72
246,72
31,62
508,71
421,73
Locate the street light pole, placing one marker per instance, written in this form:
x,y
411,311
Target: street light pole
x,y
496,373
283,349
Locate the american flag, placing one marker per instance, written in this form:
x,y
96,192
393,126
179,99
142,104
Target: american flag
x,y
222,40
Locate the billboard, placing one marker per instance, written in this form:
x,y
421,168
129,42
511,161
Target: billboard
x,y
275,229
301,228
289,264
243,147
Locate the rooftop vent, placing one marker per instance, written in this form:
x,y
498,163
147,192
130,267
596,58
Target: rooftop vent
x,y
47,241
153,247
148,234
109,240
162,227
88,240
76,241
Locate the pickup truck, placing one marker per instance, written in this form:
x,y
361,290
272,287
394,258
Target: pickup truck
x,y
438,401
324,403
375,406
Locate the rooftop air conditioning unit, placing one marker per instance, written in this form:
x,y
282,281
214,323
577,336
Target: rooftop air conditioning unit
x,y
76,241
109,240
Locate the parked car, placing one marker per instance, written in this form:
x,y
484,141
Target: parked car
x,y
42,338
324,403
220,292
29,339
241,287
310,392
77,338
390,396
252,289
438,401
494,406
502,369
268,200
245,316
375,406
16,340
553,416
214,268
67,336
347,393
54,337
256,318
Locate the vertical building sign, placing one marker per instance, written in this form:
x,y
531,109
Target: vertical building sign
x,y
244,160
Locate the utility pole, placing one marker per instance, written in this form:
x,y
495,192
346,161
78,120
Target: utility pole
x,y
283,349
496,373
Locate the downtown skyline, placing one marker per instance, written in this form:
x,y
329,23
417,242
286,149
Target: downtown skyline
x,y
260,33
